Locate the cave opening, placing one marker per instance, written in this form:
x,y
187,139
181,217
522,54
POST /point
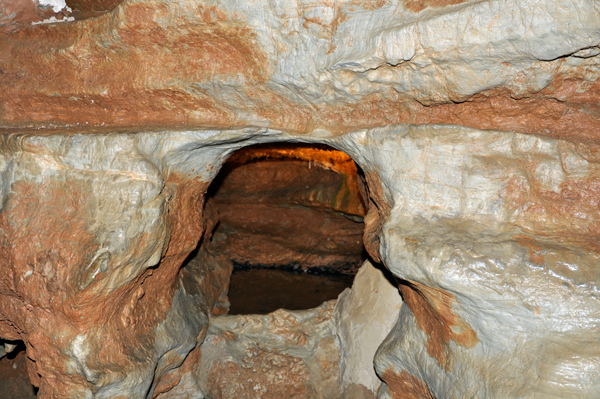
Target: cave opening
x,y
290,219
84,9
15,382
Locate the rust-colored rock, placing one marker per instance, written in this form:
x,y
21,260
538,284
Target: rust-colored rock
x,y
142,64
433,310
261,375
77,304
418,5
378,211
284,205
405,386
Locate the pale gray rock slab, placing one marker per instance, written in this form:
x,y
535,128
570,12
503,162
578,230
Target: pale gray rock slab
x,y
365,314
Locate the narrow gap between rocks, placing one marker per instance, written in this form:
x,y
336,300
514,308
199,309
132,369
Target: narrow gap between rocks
x,y
84,9
14,378
290,219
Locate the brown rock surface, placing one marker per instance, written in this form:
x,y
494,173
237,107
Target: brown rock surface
x,y
14,379
262,291
145,64
283,205
433,312
261,374
405,386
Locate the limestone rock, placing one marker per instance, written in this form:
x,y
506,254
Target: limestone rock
x,y
281,355
301,66
494,236
113,128
86,220
365,314
283,206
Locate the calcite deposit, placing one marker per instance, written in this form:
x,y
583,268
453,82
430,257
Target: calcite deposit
x,y
365,315
311,66
475,125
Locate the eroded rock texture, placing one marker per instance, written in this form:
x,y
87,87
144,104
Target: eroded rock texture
x,y
495,236
311,66
114,127
297,354
281,355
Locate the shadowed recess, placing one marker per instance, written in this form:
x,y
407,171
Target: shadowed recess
x,y
291,220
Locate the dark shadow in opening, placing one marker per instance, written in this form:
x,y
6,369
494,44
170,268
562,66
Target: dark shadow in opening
x,y
85,9
389,276
291,221
14,378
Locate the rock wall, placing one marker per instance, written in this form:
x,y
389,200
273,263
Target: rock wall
x,y
491,233
305,66
475,122
495,238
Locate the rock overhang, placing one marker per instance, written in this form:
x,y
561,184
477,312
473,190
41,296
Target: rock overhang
x,y
303,67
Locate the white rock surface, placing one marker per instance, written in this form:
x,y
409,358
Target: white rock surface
x,y
365,314
327,52
57,5
474,215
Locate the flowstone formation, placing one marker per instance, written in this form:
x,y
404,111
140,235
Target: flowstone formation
x,y
475,124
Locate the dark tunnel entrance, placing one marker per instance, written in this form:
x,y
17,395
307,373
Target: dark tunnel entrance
x,y
291,221
14,377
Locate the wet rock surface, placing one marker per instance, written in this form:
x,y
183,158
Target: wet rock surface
x,y
472,260
472,223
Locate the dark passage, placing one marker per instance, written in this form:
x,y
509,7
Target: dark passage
x,y
14,379
262,291
291,220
